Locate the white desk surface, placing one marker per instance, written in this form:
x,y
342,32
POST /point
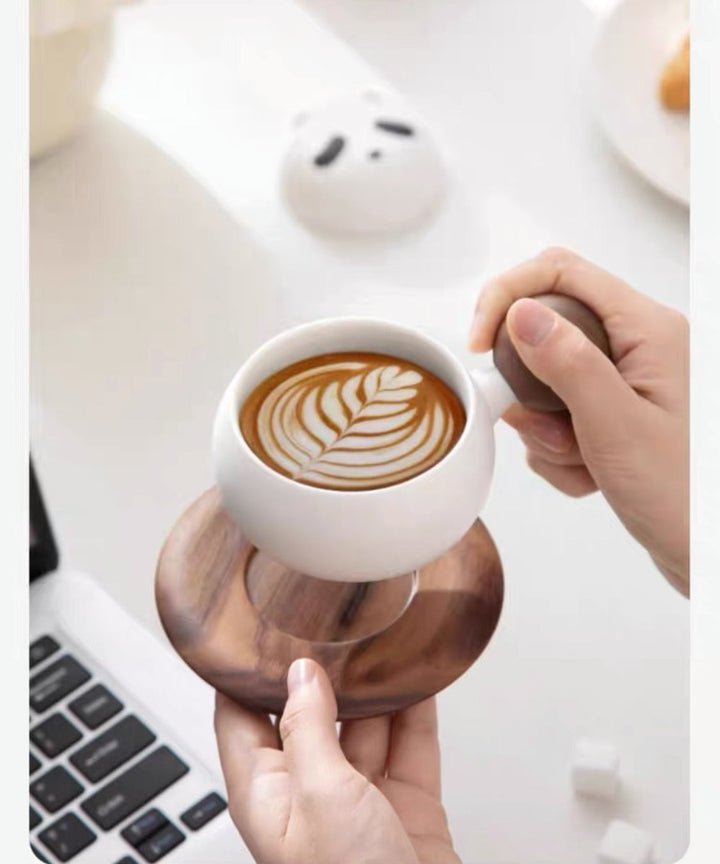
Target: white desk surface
x,y
161,256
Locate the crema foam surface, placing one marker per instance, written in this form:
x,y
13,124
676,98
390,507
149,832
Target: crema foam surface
x,y
352,421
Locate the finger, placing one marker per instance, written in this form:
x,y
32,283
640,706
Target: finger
x,y
575,481
561,356
365,744
247,745
307,728
563,272
571,458
553,430
414,755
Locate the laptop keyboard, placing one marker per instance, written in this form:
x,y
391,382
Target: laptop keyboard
x,y
97,737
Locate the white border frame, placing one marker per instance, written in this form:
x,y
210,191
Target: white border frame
x,y
705,317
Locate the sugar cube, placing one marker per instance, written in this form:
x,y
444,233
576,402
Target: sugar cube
x,y
596,768
625,844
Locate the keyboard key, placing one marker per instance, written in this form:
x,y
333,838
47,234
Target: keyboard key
x,y
41,649
37,853
113,748
144,827
55,682
160,844
55,789
96,706
126,860
67,837
35,818
202,812
35,763
127,793
54,735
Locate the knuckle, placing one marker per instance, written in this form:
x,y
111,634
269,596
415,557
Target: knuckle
x,y
291,721
560,256
535,462
578,489
678,325
561,477
495,288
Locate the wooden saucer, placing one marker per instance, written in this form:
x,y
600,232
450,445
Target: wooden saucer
x,y
239,619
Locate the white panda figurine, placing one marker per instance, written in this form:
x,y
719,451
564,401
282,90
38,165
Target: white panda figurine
x,y
362,164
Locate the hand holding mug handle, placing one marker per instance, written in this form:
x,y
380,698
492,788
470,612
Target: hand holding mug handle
x,y
524,386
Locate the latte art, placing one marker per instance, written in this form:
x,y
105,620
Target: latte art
x,y
352,421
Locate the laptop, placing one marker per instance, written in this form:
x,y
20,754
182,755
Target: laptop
x,y
123,762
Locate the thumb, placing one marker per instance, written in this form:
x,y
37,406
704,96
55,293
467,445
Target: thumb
x,y
307,726
559,354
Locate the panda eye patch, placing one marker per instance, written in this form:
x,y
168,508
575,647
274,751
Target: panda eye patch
x,y
330,152
394,128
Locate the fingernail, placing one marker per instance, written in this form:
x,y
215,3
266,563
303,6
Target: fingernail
x,y
531,321
475,328
300,674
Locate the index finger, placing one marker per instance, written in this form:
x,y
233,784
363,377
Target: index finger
x,y
560,271
248,746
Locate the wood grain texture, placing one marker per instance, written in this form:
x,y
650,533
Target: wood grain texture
x,y
239,619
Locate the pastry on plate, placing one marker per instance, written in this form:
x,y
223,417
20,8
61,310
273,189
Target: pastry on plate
x,y
675,81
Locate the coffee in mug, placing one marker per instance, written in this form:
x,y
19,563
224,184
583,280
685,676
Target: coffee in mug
x,y
352,420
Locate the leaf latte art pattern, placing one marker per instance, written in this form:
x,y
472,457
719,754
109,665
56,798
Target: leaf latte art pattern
x,y
352,421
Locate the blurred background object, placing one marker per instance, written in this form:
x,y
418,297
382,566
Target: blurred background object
x,y
675,81
363,164
70,49
640,69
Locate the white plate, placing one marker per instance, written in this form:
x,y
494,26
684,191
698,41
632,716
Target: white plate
x,y
634,43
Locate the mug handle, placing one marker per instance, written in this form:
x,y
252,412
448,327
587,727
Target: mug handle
x,y
511,381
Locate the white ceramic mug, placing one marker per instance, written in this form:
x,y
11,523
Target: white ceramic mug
x,y
371,534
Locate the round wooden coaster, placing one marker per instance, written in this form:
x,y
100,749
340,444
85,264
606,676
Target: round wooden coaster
x,y
239,619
